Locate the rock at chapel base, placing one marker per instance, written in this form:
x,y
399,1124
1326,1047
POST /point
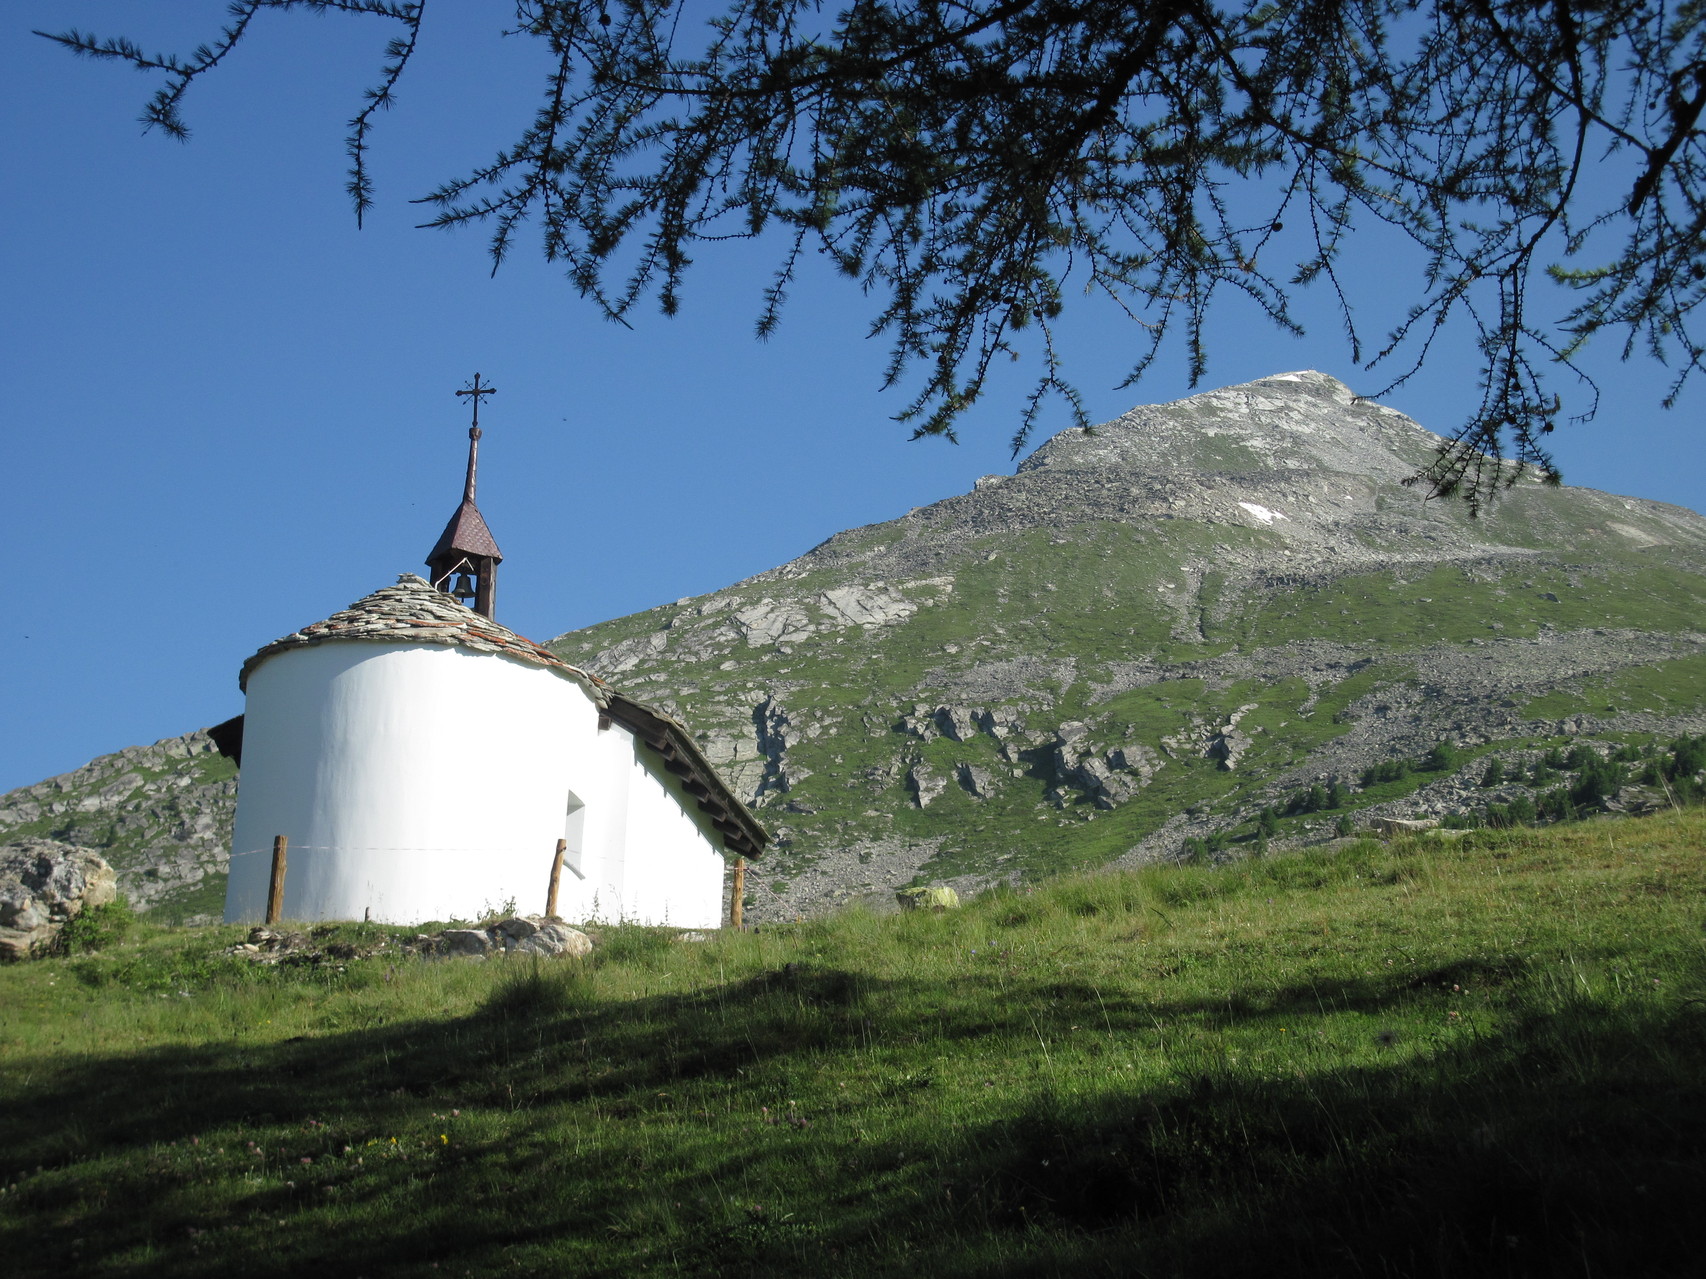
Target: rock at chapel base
x,y
272,941
43,885
935,897
554,939
516,928
516,935
471,942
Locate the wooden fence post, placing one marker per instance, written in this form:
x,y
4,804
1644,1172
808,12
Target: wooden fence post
x,y
275,890
737,895
556,878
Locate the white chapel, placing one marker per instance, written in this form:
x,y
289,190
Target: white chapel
x,y
422,763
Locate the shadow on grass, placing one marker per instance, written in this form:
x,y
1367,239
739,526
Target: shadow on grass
x,y
1573,1143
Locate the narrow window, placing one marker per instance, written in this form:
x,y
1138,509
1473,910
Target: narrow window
x,y
574,834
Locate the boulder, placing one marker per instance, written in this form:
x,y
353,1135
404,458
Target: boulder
x,y
43,885
973,780
470,942
956,723
554,939
934,897
924,783
270,941
515,935
514,929
1228,746
1108,777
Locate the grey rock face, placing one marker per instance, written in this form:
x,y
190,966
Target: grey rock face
x,y
975,781
774,731
1638,801
43,886
769,622
860,607
925,783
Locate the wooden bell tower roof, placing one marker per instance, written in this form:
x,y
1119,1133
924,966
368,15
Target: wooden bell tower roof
x,y
466,551
466,534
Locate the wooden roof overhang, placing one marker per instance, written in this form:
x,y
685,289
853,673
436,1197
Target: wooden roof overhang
x,y
698,776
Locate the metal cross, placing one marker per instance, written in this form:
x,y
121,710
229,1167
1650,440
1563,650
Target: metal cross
x,y
476,391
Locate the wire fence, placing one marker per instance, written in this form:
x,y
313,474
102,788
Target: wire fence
x,y
483,849
571,856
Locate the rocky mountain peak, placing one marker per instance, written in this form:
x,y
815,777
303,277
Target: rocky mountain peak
x,y
1296,454
1303,421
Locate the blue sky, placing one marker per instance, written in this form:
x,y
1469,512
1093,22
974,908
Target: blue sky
x,y
229,412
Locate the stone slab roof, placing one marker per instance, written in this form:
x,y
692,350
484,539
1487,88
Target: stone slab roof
x,y
412,612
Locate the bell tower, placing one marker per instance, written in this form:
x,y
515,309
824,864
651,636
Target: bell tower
x,y
464,563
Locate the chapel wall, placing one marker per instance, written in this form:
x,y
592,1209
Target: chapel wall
x,y
415,782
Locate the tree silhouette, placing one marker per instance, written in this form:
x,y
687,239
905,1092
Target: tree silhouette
x,y
970,164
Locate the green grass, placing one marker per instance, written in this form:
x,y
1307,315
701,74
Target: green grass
x,y
1481,1056
1663,687
1451,604
204,898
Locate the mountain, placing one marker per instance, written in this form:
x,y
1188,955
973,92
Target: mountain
x,y
160,814
1150,632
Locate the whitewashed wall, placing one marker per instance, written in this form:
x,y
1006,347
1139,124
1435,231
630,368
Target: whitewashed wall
x,y
648,855
418,782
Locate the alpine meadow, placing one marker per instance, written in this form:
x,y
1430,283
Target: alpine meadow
x,y
1140,703
1262,834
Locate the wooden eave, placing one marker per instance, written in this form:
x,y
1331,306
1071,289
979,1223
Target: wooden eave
x,y
683,759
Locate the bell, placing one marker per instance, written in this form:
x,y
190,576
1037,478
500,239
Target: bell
x,y
464,587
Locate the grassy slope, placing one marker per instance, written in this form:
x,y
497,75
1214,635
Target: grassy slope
x,y
1480,1057
1097,593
